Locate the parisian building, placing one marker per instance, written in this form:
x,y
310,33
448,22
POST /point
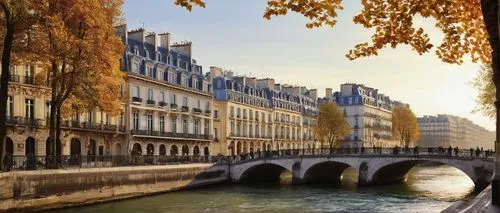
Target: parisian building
x,y
369,114
167,98
252,115
449,130
28,110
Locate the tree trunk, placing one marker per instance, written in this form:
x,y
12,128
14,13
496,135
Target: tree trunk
x,y
491,17
4,81
52,127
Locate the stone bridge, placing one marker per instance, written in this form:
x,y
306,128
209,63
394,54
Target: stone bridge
x,y
373,169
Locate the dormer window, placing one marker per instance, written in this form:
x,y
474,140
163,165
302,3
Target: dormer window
x,y
136,50
158,56
169,60
147,54
195,83
136,67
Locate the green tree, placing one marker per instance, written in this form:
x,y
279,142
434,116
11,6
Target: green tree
x,y
331,124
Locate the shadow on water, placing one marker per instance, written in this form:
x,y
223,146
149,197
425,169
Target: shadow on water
x,y
428,189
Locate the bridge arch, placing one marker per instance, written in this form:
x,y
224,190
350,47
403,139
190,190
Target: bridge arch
x,y
327,170
395,170
262,170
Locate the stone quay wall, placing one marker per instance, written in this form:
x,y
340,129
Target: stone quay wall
x,y
25,191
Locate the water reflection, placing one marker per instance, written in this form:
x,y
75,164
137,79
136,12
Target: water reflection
x,y
428,189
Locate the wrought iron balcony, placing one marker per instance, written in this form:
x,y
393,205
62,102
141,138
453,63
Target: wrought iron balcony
x,y
22,121
150,102
184,108
136,99
173,106
208,112
197,111
162,104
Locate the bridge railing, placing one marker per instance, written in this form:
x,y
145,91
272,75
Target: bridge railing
x,y
31,162
377,151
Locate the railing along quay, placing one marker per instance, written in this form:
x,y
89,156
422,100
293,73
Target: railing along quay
x,y
31,162
433,152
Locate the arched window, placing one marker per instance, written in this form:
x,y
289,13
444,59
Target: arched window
x,y
185,150
196,151
150,148
136,149
173,150
30,146
163,150
75,147
206,152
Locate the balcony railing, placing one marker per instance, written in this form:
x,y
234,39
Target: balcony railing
x,y
22,79
173,106
169,134
197,111
136,99
150,102
162,103
23,121
184,108
208,112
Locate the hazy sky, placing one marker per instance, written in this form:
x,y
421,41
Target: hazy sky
x,y
233,35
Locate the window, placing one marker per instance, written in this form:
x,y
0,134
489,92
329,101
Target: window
x,y
150,122
27,71
149,71
90,117
136,67
195,83
162,123
206,127
184,101
150,94
184,126
174,125
135,124
216,114
47,109
30,109
215,133
161,96
169,60
172,99
107,120
232,128
232,111
196,127
10,106
136,92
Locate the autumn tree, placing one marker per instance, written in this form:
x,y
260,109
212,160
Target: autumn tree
x,y
81,59
405,127
331,124
16,21
470,28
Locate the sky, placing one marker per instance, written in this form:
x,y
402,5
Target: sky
x,y
233,35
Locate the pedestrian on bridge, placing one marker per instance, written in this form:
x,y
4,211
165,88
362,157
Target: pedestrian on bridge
x,y
471,152
449,150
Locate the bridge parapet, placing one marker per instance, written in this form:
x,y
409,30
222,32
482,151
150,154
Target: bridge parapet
x,y
374,165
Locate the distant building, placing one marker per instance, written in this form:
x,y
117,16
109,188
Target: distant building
x,y
252,115
368,112
448,130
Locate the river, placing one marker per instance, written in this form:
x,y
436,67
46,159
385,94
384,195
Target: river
x,y
428,189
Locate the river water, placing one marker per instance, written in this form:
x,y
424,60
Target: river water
x,y
428,189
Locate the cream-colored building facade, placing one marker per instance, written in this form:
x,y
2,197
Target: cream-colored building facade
x,y
28,110
168,99
252,115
